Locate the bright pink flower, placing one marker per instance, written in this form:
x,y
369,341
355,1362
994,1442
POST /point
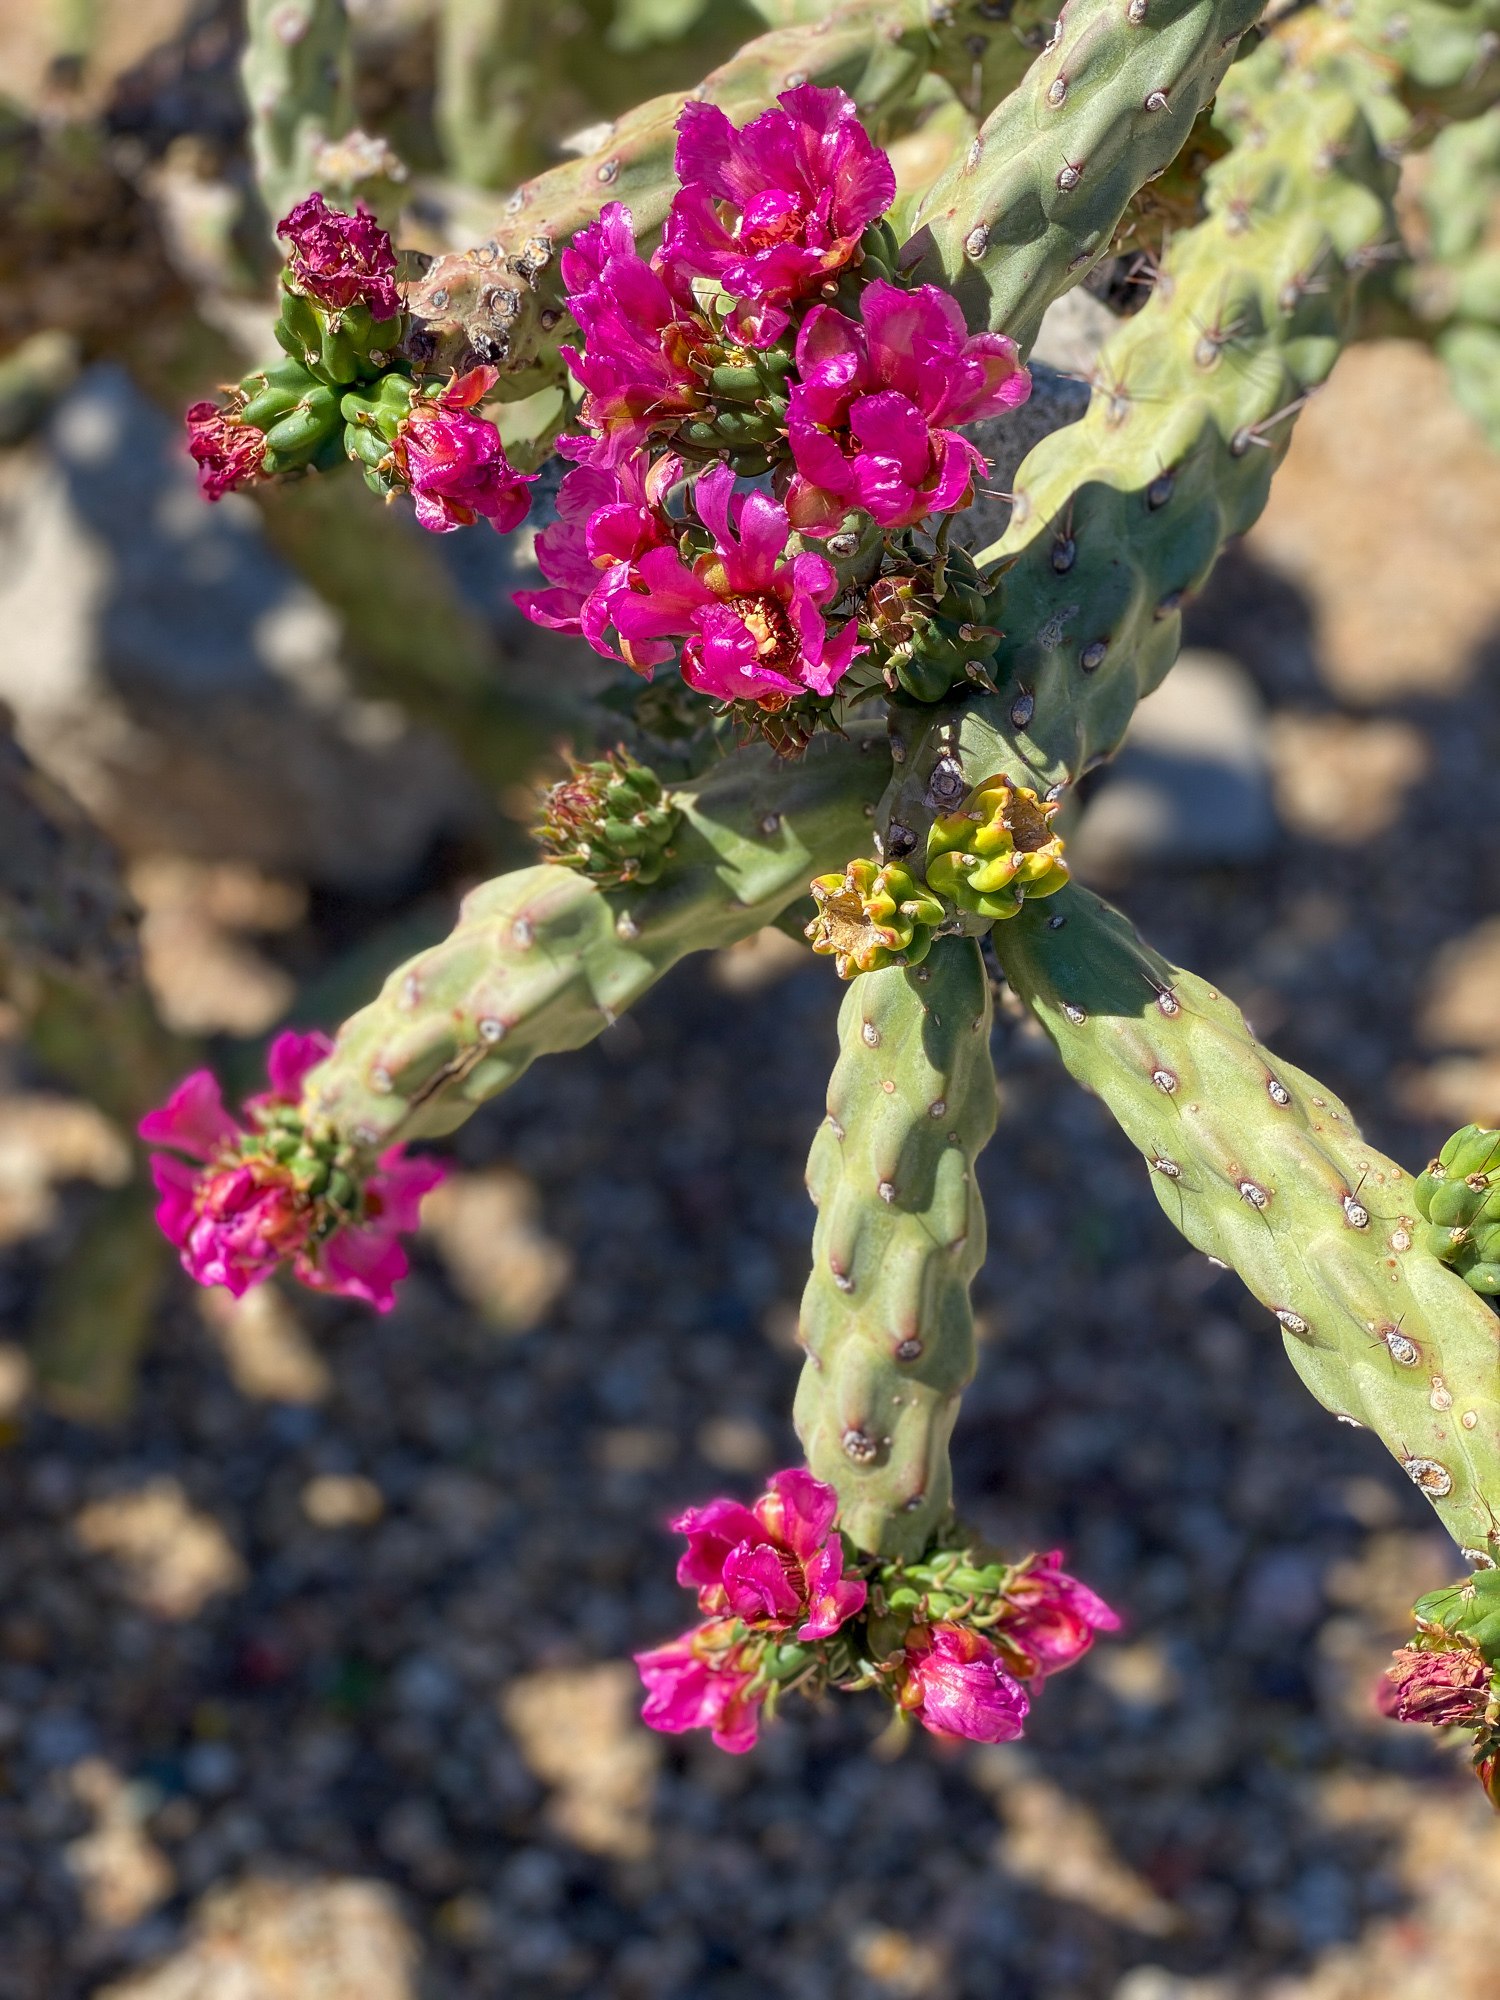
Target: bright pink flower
x,y
454,462
754,624
1440,1688
341,260
226,450
699,1682
870,414
1052,1617
641,331
773,210
775,1565
956,1685
607,518
236,1208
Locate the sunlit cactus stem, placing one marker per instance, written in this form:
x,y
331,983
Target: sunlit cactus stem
x,y
297,74
886,1318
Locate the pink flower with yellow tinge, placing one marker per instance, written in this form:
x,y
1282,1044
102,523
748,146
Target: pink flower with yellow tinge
x,y
641,331
239,1206
777,1566
954,1683
226,450
700,1681
454,463
753,622
1444,1688
774,209
1052,1617
341,260
870,418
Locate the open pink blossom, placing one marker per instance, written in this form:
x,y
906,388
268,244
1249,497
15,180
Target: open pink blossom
x,y
955,1684
777,1565
226,450
341,260
454,463
641,332
700,1682
772,210
870,417
753,623
237,1207
1052,1617
608,516
1440,1688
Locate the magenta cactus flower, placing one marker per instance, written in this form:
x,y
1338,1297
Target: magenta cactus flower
x,y
454,463
753,623
226,450
955,1684
607,518
871,415
239,1200
777,1566
702,1681
773,210
341,260
1051,1617
641,334
1443,1688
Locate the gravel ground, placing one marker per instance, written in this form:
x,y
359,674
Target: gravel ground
x,y
312,1672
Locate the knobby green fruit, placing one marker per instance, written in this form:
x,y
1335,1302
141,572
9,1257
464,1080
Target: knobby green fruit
x,y
886,1319
543,959
1263,1168
998,851
610,819
1459,1197
873,915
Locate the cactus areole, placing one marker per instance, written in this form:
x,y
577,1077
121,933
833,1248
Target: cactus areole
x,y
829,711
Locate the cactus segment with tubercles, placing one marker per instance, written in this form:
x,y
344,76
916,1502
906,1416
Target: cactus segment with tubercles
x,y
1458,1195
886,1319
1263,1168
543,959
298,79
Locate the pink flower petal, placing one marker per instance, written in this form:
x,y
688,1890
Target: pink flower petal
x,y
193,1119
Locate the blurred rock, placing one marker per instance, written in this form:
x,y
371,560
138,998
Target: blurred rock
x,y
122,1875
265,1349
578,1731
274,1940
44,1142
204,977
1191,786
1461,1001
170,1558
180,681
342,1500
1343,780
497,1254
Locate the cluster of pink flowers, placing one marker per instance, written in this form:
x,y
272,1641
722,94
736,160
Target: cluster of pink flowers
x,y
770,219
453,463
341,260
238,1205
1051,1618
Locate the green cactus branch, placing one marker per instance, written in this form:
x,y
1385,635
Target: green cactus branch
x,y
1456,288
298,76
1039,195
886,1319
503,302
1262,1167
544,959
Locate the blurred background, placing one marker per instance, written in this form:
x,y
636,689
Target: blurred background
x,y
314,1628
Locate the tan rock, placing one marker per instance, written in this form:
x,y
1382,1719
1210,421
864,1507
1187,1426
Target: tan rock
x,y
171,1558
578,1731
1461,1002
265,1349
486,1226
1343,780
122,1875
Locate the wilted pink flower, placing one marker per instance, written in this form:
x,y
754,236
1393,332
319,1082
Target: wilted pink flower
x,y
700,1681
226,450
776,1565
773,210
754,624
454,462
1052,1617
641,332
341,260
869,416
1441,1688
236,1209
955,1685
607,518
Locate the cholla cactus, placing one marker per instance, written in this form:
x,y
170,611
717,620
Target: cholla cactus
x,y
767,467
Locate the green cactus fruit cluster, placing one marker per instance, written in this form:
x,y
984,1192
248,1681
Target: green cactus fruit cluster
x,y
929,623
873,915
298,79
543,959
610,819
298,413
744,418
886,1318
372,417
998,851
502,302
337,347
1459,1199
1038,197
1263,1168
